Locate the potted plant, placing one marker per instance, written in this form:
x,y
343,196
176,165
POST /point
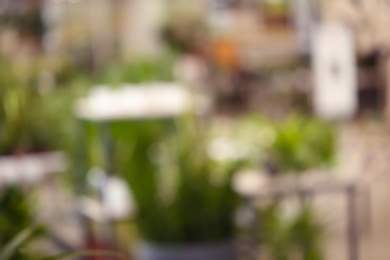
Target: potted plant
x,y
300,144
276,13
185,204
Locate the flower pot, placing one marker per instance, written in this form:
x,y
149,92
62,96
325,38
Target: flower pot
x,y
212,251
276,14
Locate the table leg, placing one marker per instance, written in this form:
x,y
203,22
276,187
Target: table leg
x,y
353,236
108,149
366,210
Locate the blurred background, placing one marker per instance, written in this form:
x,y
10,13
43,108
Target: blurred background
x,y
194,130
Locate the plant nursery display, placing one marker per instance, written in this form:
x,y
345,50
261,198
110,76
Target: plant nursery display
x,y
185,130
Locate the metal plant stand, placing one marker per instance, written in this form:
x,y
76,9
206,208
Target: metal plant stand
x,y
319,184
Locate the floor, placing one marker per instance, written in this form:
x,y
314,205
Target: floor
x,y
365,149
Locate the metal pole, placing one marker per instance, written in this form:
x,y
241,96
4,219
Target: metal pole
x,y
353,237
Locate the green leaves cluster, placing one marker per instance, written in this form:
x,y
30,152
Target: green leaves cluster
x,y
302,143
298,238
200,203
181,195
15,215
139,70
29,120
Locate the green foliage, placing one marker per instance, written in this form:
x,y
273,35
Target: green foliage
x,y
198,205
302,143
181,195
30,121
298,238
140,70
11,250
15,215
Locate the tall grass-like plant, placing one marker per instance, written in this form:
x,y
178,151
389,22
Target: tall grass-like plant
x,y
182,196
197,202
30,121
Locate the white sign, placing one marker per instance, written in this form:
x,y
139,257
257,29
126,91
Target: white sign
x,y
335,72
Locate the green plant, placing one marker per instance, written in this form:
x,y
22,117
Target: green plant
x,y
30,120
195,180
302,143
298,238
140,70
10,251
14,208
181,195
16,215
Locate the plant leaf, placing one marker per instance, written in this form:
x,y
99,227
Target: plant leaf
x,y
18,241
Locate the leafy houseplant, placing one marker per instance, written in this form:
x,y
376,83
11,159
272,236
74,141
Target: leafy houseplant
x,y
302,143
